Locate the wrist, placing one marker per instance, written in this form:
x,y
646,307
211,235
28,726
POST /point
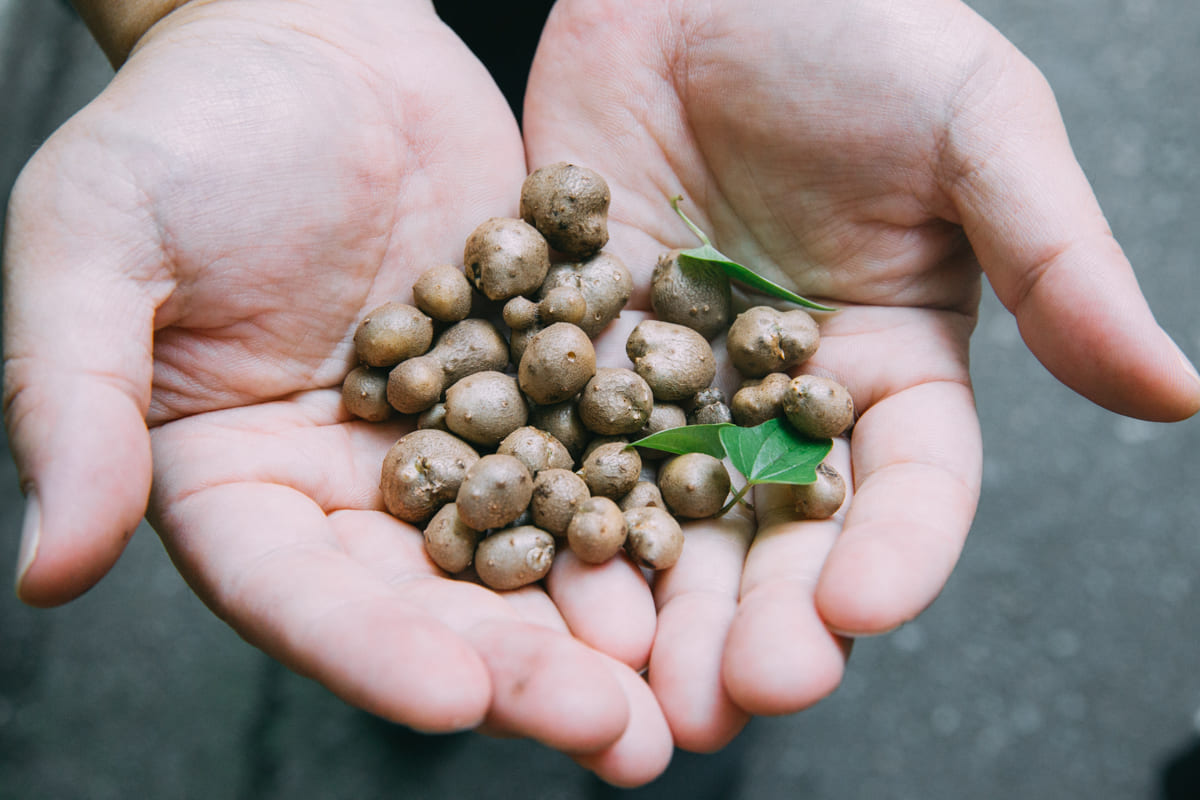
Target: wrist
x,y
117,25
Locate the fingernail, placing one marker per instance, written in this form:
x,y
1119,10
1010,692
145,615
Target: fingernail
x,y
31,533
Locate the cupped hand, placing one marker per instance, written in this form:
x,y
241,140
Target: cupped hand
x,y
873,155
185,265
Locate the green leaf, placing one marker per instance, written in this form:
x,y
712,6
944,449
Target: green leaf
x,y
688,439
707,257
773,452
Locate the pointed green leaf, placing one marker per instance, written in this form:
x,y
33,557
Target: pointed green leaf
x,y
707,257
688,439
774,452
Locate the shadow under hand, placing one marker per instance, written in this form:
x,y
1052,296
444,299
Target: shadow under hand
x,y
1180,776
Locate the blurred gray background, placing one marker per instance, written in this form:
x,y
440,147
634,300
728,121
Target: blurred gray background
x,y
1061,661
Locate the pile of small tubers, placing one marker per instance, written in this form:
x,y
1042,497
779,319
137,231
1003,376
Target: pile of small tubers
x,y
522,443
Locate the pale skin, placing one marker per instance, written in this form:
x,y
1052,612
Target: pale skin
x,y
187,259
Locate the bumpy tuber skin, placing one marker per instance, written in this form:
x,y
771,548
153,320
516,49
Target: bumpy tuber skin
x,y
643,493
653,537
392,333
495,491
760,400
449,541
506,257
422,471
557,493
676,361
485,407
433,417
699,299
818,407
663,416
557,363
536,449
597,530
562,421
822,498
763,339
708,408
694,485
515,557
560,304
364,393
568,204
611,469
444,293
615,402
603,280
470,346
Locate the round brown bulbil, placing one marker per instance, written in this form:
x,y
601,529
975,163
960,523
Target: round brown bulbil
x,y
760,400
615,402
818,407
822,498
673,359
536,449
694,485
597,530
699,299
473,345
449,541
484,407
763,339
708,407
562,421
611,469
643,493
653,537
392,333
444,293
494,492
514,557
557,363
568,204
422,471
603,280
364,393
506,257
557,493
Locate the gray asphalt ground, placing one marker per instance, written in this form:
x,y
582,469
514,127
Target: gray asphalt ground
x,y
1061,661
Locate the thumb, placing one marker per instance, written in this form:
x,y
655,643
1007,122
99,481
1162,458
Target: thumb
x,y
77,368
1041,238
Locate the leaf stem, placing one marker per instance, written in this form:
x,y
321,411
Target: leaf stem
x,y
733,501
696,230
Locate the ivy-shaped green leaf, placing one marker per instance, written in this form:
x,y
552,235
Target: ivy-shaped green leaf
x,y
773,452
688,439
707,257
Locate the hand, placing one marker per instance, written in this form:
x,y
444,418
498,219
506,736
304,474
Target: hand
x,y
874,155
186,262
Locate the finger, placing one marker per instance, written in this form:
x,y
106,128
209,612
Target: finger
x,y
608,606
644,749
698,600
81,285
780,657
916,472
917,463
266,559
1040,235
546,685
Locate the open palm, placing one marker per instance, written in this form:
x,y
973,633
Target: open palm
x,y
873,155
192,253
